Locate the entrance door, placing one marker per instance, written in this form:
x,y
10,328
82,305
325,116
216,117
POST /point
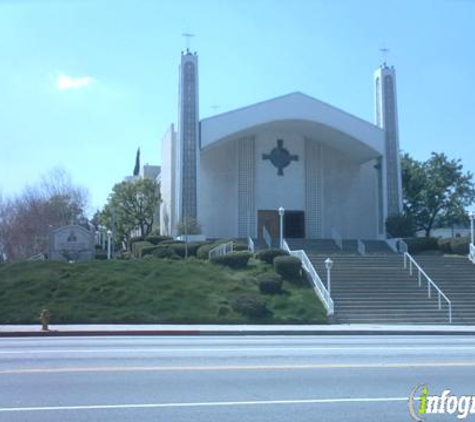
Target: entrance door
x,y
269,219
294,223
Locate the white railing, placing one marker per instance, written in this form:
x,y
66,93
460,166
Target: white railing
x,y
471,255
250,244
267,237
397,245
37,257
221,250
336,236
318,286
430,283
361,247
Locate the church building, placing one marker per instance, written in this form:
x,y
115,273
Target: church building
x,y
333,173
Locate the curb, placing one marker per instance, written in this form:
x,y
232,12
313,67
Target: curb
x,y
105,333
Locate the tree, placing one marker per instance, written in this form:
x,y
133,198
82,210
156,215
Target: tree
x,y
133,206
137,163
435,190
26,219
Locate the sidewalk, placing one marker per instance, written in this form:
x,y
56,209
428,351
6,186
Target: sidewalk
x,y
196,330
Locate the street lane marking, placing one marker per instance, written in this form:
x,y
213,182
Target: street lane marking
x,y
466,364
207,404
243,349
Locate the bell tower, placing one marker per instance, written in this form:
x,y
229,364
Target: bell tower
x,y
387,119
188,137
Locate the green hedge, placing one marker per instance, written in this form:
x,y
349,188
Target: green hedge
x,y
135,240
421,244
164,251
460,245
138,246
250,305
155,240
233,259
270,283
289,267
268,255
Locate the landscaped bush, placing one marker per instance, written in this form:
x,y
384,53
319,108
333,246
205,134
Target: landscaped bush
x,y
203,251
268,255
171,241
421,244
155,240
270,283
135,239
233,259
165,252
138,246
460,245
289,267
444,245
101,256
398,225
250,305
147,250
240,247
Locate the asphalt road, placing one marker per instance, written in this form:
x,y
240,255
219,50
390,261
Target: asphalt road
x,y
197,379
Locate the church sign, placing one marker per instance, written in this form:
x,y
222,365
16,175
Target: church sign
x,y
72,243
280,157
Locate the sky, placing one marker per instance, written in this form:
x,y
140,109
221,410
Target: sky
x,y
84,83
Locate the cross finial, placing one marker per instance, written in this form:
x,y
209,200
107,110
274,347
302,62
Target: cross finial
x,y
187,36
384,52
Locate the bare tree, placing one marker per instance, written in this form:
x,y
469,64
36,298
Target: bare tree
x,y
26,220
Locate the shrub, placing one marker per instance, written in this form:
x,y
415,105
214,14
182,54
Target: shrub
x,y
180,248
233,259
268,255
250,305
421,244
460,245
399,225
171,242
155,240
138,246
147,250
165,252
101,255
134,240
203,251
289,267
444,245
191,227
240,247
270,283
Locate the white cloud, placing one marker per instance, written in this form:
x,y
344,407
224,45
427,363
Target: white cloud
x,y
67,82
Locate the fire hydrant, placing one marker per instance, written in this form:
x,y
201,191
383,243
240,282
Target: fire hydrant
x,y
45,318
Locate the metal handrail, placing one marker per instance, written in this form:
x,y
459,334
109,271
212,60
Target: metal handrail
x,y
337,238
402,246
250,244
267,237
221,250
318,285
361,247
430,283
471,255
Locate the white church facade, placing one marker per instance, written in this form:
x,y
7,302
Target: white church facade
x,y
332,172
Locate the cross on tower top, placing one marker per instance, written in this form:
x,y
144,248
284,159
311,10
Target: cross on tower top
x,y
187,36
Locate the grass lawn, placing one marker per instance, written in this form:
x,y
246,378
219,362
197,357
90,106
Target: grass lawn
x,y
145,291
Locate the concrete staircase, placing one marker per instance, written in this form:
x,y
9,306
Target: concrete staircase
x,y
377,289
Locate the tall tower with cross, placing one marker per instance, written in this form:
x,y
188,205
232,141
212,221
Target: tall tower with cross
x,y
188,137
387,118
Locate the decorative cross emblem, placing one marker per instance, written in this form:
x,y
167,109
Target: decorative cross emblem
x,y
280,157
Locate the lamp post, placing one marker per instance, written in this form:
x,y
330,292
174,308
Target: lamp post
x,y
471,215
103,238
109,236
281,211
328,265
